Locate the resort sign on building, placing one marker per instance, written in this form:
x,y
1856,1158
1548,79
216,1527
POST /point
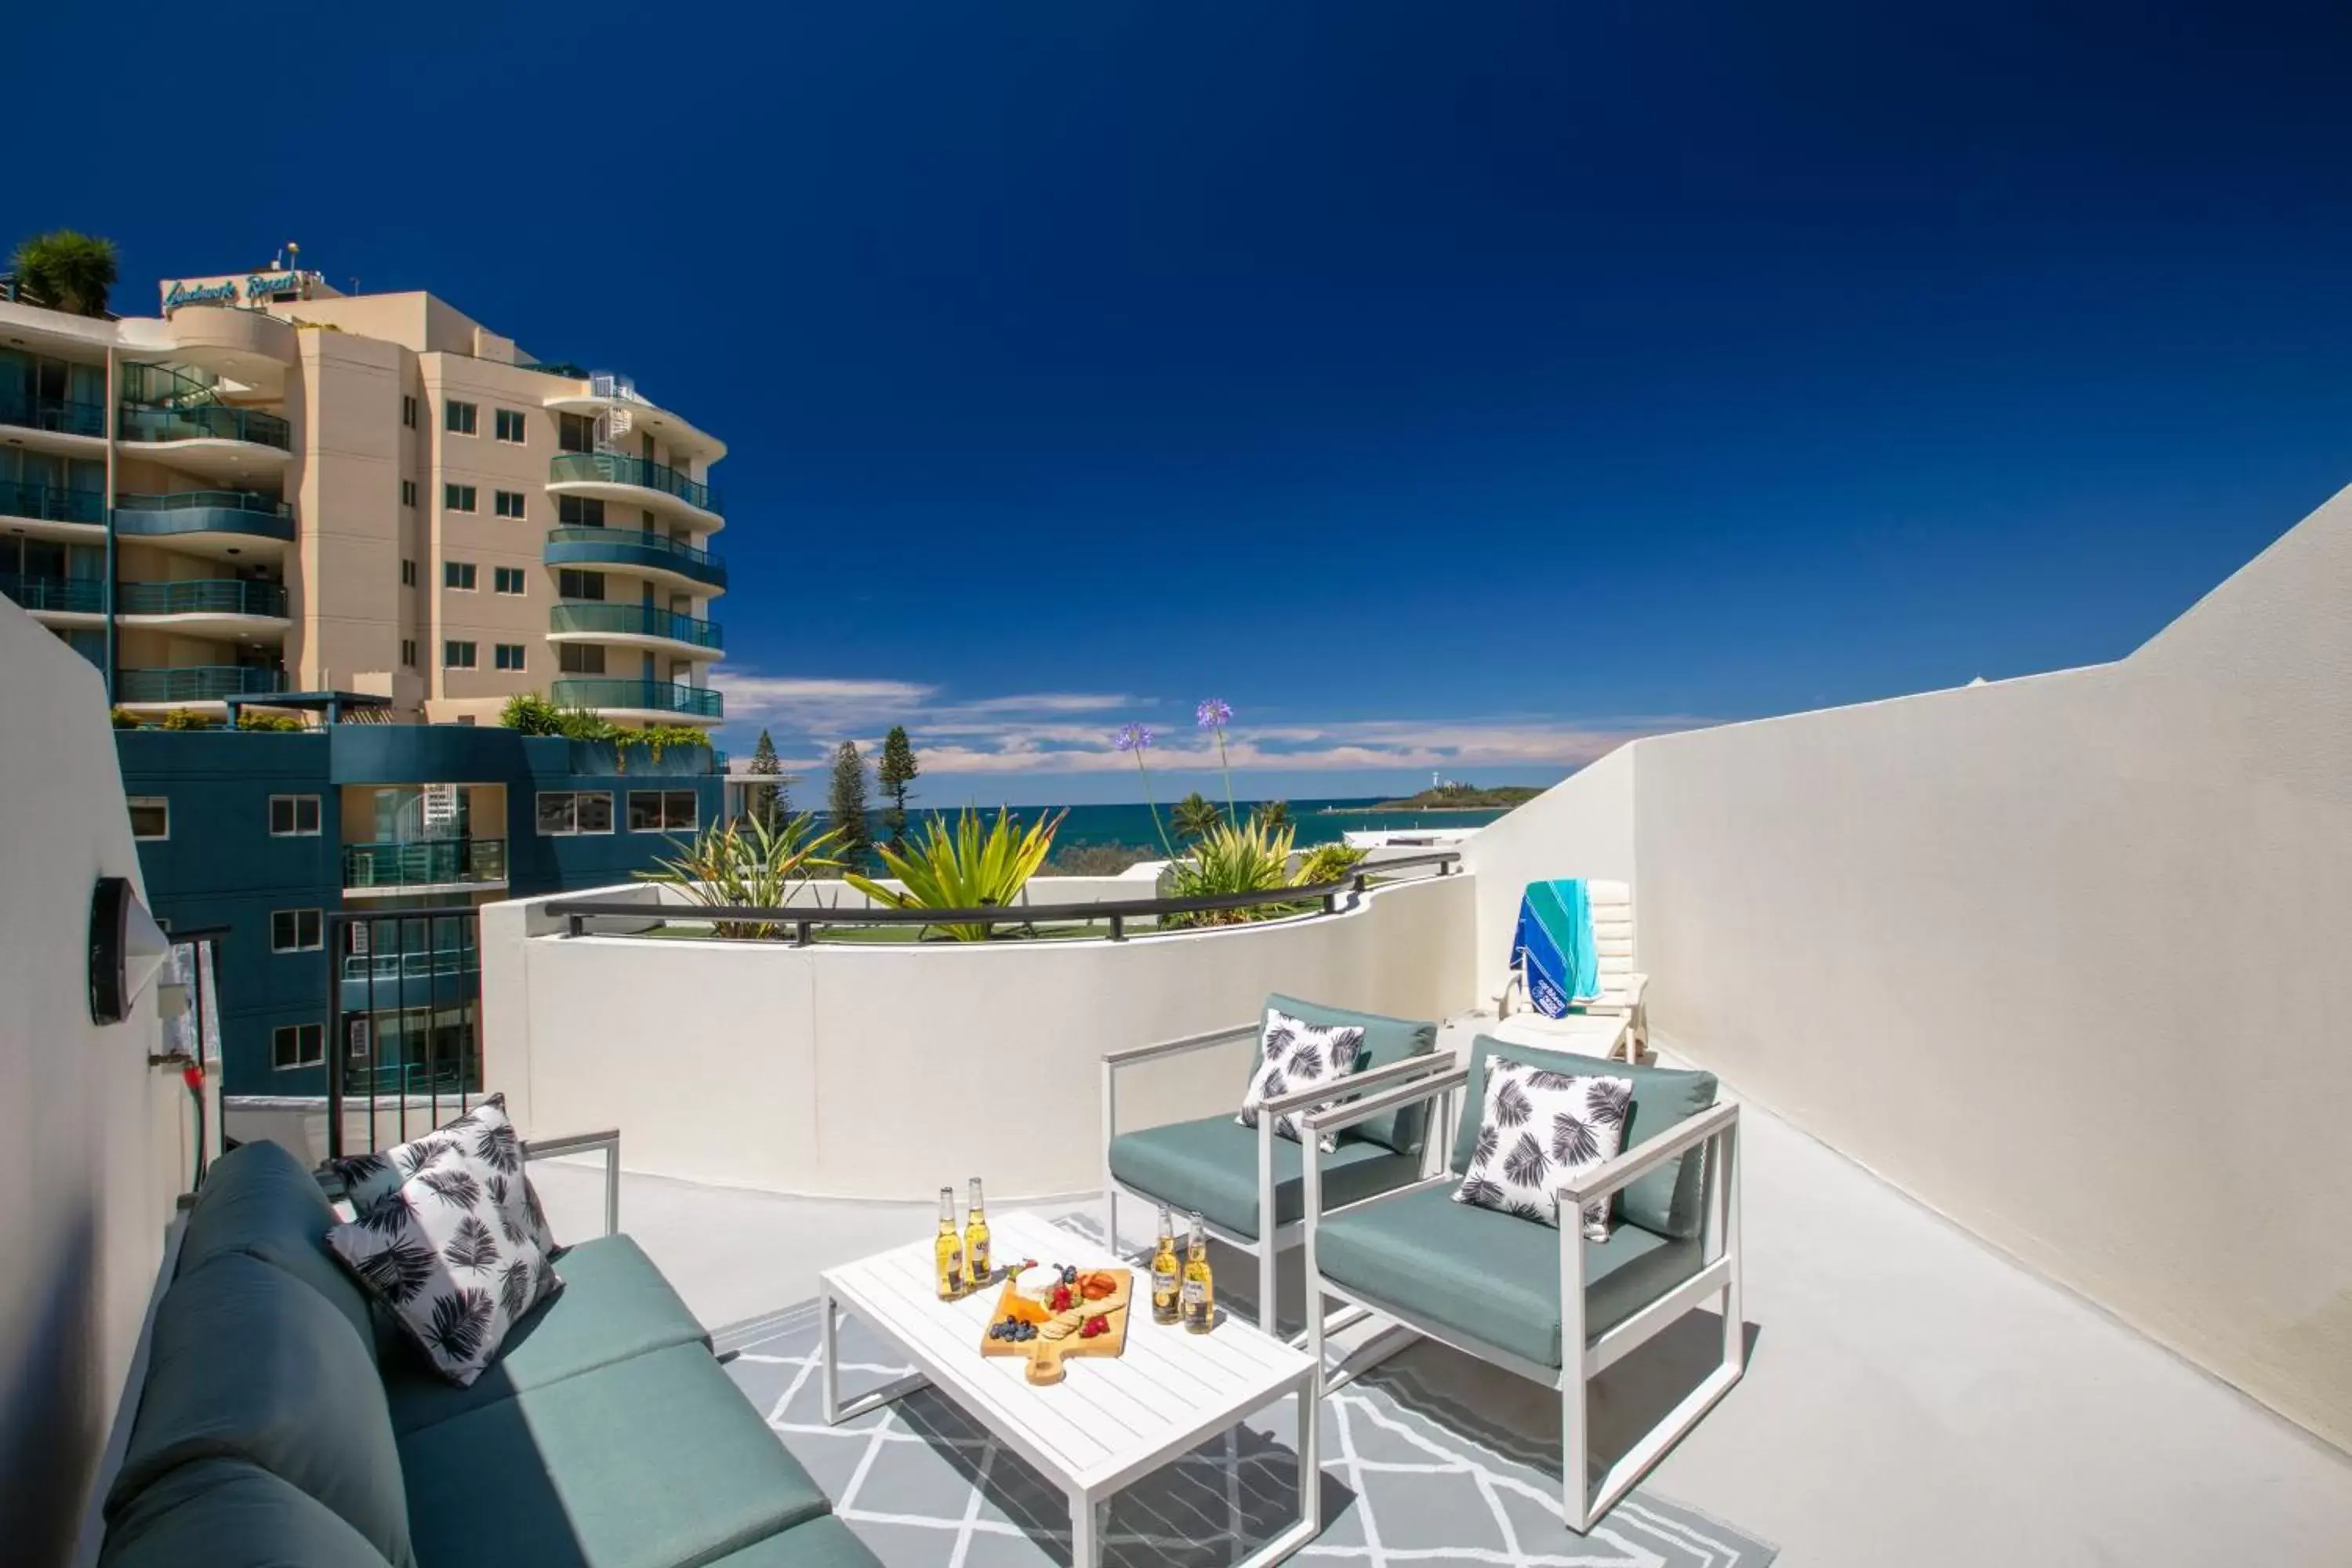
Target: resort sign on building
x,y
251,289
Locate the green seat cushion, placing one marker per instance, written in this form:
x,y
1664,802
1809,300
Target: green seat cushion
x,y
1386,1041
1490,1276
647,1463
1665,1200
248,1362
824,1542
259,1200
615,1304
224,1514
1212,1165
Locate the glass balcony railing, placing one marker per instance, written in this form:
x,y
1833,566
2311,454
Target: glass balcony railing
x,y
631,548
197,683
82,596
425,862
204,512
662,696
632,620
412,966
205,421
205,597
611,468
50,503
63,415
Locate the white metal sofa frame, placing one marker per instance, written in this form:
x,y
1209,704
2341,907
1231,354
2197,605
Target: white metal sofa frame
x,y
1622,986
1274,1240
1718,1276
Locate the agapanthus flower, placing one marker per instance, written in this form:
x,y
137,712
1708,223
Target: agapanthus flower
x,y
1133,737
1213,714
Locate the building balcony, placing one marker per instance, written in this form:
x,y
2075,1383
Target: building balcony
x,y
63,601
52,416
426,865
186,684
435,977
632,550
635,482
210,522
218,607
51,512
640,625
229,445
646,701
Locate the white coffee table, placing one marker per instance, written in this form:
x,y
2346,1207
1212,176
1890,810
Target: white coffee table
x,y
1113,1419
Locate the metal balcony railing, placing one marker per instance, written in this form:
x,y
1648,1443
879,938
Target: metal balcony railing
x,y
662,696
204,512
205,421
83,596
205,597
64,416
613,469
630,548
425,862
51,503
635,620
197,683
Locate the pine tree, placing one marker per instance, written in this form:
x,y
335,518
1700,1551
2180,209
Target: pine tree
x,y
765,802
848,804
898,770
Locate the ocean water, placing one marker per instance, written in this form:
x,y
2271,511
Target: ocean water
x,y
1316,821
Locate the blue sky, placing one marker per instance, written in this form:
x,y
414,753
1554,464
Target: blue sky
x,y
1446,386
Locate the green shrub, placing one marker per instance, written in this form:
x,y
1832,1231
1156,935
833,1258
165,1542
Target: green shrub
x,y
1327,863
968,866
282,723
528,714
124,718
189,719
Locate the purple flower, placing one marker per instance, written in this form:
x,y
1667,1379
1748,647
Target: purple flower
x,y
1133,737
1213,714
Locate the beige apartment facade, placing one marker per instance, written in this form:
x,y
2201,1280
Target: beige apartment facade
x,y
274,487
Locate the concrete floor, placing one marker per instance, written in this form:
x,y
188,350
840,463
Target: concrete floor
x,y
1912,1396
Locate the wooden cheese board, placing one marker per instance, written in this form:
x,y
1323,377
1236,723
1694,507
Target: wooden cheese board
x,y
1059,1335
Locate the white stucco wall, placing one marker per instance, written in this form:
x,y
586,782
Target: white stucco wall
x,y
93,1144
2064,957
889,1072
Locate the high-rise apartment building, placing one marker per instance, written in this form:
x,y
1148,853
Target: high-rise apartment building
x,y
271,487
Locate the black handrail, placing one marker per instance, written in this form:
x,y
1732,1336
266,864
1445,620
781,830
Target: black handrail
x,y
577,912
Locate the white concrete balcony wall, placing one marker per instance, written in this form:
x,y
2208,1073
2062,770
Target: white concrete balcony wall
x,y
2064,957
889,1072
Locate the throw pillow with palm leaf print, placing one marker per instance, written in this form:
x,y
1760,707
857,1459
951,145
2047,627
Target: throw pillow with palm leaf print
x,y
1537,1130
451,1252
1293,1056
485,1132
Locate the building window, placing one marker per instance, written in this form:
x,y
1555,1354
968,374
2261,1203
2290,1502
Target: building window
x,y
508,655
575,432
298,1045
408,492
507,503
575,585
409,653
457,655
580,511
408,410
408,574
508,579
459,417
458,574
294,817
510,425
458,497
661,811
296,930
151,816
565,812
580,659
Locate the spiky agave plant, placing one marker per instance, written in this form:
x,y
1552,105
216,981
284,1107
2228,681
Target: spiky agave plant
x,y
970,865
1232,857
746,864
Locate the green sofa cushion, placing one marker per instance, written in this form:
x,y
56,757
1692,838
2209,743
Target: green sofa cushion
x,y
1212,1165
1665,1200
248,1362
259,1201
1386,1041
615,1304
1490,1276
224,1514
648,1463
818,1543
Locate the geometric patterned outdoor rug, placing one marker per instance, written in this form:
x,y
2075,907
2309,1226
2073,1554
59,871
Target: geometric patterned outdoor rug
x,y
1410,1476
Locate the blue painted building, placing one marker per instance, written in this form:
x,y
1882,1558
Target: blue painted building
x,y
272,835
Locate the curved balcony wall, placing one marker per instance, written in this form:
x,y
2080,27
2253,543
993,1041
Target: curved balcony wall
x,y
637,551
645,696
197,683
52,503
587,618
586,469
998,1044
205,512
208,596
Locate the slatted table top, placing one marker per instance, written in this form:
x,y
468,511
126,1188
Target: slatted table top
x,y
1112,1417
